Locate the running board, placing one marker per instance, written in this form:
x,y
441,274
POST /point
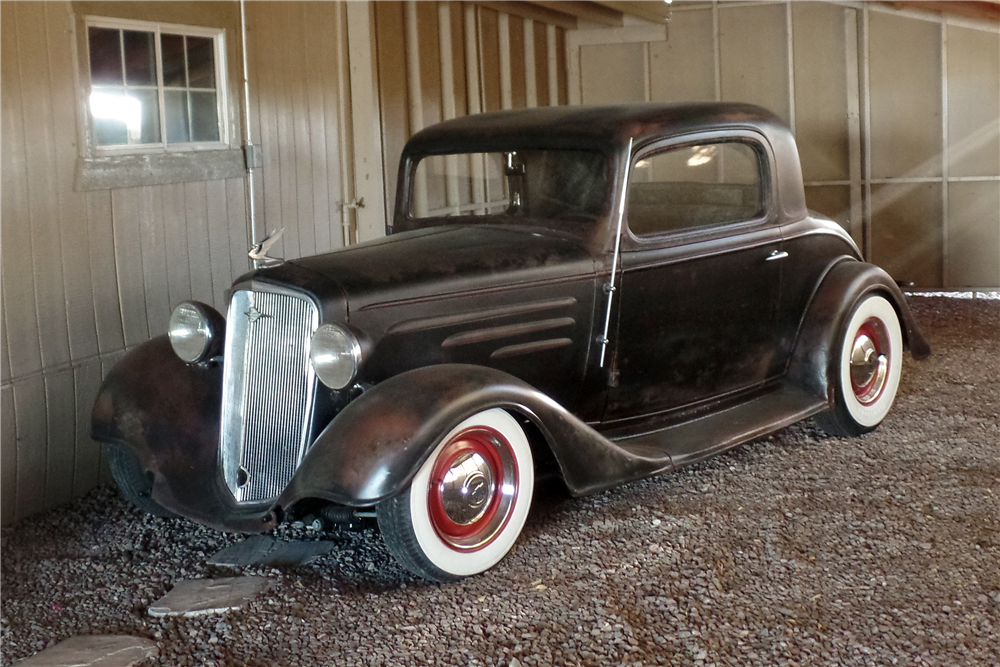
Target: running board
x,y
692,441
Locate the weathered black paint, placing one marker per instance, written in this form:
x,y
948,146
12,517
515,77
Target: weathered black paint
x,y
711,344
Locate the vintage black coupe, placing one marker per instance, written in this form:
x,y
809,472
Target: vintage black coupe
x,y
607,293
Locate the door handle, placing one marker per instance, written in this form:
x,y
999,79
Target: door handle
x,y
776,255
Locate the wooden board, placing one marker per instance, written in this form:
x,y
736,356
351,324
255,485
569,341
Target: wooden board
x,y
754,56
31,428
8,455
601,66
973,102
900,214
821,91
974,234
60,447
905,65
87,457
682,69
128,262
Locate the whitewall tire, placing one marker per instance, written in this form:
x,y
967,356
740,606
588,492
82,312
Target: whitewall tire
x,y
466,505
868,367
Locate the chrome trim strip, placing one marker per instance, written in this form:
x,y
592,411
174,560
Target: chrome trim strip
x,y
506,331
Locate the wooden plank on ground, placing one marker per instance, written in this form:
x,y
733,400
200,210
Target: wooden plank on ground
x,y
128,260
30,425
87,460
8,457
60,408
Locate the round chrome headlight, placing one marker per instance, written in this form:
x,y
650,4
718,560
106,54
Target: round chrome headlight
x,y
192,331
335,355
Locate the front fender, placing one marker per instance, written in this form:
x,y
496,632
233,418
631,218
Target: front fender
x,y
375,446
843,285
167,412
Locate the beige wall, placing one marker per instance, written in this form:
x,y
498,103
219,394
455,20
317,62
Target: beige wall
x,y
441,60
87,275
896,113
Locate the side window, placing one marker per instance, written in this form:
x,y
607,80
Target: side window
x,y
695,186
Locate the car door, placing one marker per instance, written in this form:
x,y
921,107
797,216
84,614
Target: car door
x,y
699,287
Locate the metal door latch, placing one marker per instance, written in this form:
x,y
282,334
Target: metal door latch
x,y
355,203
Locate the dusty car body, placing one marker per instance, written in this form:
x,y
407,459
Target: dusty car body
x,y
603,290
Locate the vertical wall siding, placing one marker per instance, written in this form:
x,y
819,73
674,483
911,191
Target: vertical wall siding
x,y
88,275
895,112
492,56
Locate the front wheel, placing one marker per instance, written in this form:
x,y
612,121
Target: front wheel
x,y
867,371
132,480
465,507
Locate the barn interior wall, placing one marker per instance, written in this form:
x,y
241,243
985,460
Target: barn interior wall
x,y
442,60
89,275
895,114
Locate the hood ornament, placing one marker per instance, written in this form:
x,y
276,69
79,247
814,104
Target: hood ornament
x,y
258,252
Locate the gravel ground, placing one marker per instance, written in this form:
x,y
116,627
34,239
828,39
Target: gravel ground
x,y
794,550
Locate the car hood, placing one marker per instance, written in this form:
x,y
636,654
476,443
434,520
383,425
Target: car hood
x,y
447,260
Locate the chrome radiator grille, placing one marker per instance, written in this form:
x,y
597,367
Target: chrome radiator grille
x,y
267,394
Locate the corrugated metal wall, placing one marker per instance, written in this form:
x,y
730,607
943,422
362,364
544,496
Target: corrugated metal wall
x,y
87,275
896,113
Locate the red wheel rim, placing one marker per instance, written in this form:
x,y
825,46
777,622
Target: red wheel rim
x,y
489,490
869,361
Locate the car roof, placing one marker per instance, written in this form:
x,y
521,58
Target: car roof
x,y
601,127
609,128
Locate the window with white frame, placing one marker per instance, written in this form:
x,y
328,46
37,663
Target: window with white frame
x,y
155,86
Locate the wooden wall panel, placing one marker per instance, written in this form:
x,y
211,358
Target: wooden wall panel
x,y
152,246
128,262
31,435
905,64
833,201
40,171
603,64
390,35
682,69
86,274
101,238
18,278
541,62
8,453
973,106
60,446
974,234
77,280
518,86
906,232
87,456
754,56
821,90
489,59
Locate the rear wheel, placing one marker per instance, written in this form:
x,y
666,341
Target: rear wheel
x,y
465,507
132,480
868,368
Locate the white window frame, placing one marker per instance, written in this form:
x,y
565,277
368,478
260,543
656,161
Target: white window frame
x,y
217,35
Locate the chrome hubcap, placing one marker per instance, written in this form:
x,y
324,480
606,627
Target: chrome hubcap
x,y
467,488
869,366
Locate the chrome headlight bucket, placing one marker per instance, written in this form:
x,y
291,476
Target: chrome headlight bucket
x,y
335,355
196,332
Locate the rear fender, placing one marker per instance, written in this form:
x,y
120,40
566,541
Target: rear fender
x,y
845,283
375,446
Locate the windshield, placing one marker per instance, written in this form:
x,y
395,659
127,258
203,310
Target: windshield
x,y
541,184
